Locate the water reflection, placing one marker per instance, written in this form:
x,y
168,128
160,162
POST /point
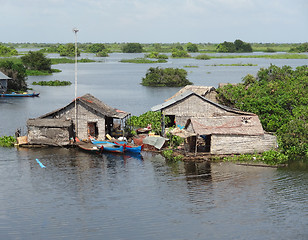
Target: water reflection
x,y
87,196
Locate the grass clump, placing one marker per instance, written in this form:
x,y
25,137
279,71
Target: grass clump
x,y
7,141
143,60
52,83
271,157
203,57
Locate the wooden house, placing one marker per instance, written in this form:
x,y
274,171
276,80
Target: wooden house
x,y
3,82
207,92
223,130
59,127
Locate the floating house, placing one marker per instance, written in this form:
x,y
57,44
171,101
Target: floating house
x,y
3,82
59,127
223,130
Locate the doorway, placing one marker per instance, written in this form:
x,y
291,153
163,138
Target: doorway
x,y
92,129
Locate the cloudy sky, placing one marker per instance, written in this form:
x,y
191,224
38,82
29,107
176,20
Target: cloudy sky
x,y
150,21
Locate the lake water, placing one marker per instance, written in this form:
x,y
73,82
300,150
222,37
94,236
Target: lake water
x,y
84,196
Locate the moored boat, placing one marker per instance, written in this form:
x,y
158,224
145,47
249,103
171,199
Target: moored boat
x,y
130,148
19,94
108,146
89,147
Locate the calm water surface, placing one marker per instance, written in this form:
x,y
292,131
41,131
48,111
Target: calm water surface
x,y
84,196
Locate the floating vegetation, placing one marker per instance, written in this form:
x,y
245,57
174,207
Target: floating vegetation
x,y
52,83
203,57
7,141
190,66
41,73
272,56
69,60
234,64
143,60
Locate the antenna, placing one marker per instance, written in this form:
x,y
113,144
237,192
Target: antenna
x,y
75,30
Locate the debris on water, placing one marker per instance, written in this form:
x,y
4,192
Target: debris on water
x,y
41,164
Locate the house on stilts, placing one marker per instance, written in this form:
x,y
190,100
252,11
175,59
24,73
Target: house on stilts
x,y
219,129
3,82
60,127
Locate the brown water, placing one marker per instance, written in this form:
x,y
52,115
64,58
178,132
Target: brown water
x,y
84,196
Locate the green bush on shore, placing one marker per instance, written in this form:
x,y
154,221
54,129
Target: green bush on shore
x,y
279,96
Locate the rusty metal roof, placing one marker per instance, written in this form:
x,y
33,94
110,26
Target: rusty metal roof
x,y
226,125
200,90
94,104
189,93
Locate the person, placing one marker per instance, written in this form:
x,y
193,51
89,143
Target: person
x,y
17,133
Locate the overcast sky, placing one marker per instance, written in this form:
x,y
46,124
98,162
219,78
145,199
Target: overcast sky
x,y
154,21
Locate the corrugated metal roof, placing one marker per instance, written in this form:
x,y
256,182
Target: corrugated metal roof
x,y
226,125
200,90
96,105
187,94
3,76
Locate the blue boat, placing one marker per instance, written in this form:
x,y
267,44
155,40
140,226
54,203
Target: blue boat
x,y
126,147
108,146
130,148
19,94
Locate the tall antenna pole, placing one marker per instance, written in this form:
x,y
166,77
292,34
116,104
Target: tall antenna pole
x,y
76,121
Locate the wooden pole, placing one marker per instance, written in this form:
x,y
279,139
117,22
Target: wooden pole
x,y
76,120
196,146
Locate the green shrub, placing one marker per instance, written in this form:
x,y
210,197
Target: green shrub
x,y
168,77
142,121
142,60
176,53
36,61
191,47
7,51
279,97
7,141
52,83
132,48
203,57
156,55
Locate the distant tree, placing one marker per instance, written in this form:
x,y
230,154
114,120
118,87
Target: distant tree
x,y
156,55
300,48
68,50
96,47
191,47
241,46
103,53
7,51
237,46
17,72
176,53
132,48
178,46
36,61
157,47
169,77
226,47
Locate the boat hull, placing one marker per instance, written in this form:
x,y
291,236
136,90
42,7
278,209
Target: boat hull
x,y
108,146
19,95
